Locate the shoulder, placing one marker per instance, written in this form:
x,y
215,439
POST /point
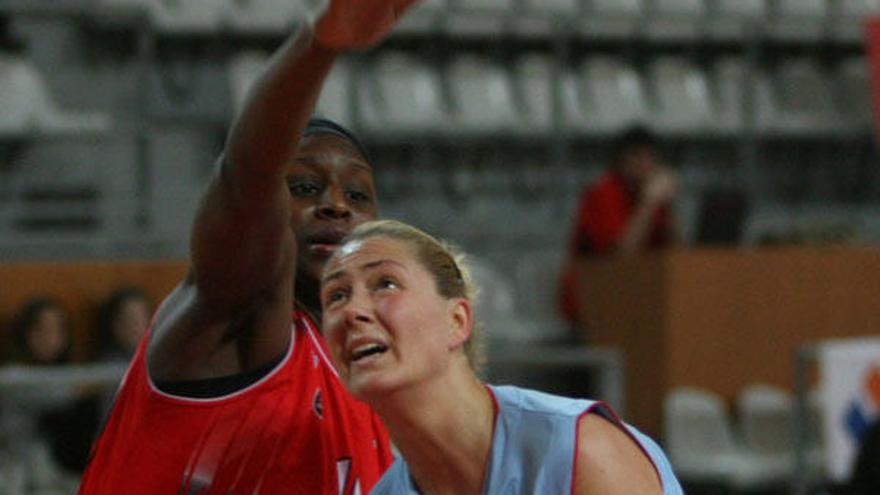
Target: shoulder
x,y
610,461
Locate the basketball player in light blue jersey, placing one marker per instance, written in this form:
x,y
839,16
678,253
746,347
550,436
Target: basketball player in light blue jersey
x,y
397,315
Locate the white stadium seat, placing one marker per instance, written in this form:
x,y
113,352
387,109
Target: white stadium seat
x,y
243,69
735,19
854,89
404,96
574,108
495,6
543,18
732,80
612,93
120,11
534,85
423,17
550,7
702,444
187,16
255,16
805,96
799,19
28,105
335,102
676,19
766,415
482,96
698,434
612,17
16,85
480,16
682,96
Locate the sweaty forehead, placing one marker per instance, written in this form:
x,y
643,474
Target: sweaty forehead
x,y
360,253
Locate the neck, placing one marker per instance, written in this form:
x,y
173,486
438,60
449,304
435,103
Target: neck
x,y
308,299
443,429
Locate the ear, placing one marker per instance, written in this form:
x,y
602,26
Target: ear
x,y
461,322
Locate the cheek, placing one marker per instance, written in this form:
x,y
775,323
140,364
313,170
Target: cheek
x,y
297,215
416,324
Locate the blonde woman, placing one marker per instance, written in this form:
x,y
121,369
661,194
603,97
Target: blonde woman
x,y
398,318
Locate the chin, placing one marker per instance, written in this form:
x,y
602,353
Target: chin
x,y
367,389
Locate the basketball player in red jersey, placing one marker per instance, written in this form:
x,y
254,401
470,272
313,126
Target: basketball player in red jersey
x,y
225,395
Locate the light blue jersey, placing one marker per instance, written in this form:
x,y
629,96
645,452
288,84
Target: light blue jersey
x,y
533,447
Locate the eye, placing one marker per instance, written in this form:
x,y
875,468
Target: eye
x,y
358,196
334,295
304,188
387,283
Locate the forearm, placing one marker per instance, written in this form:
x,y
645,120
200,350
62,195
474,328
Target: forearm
x,y
241,229
638,229
278,106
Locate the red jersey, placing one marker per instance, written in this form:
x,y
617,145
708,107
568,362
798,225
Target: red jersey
x,y
604,213
295,431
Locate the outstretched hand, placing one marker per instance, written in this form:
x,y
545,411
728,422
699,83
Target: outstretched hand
x,y
358,24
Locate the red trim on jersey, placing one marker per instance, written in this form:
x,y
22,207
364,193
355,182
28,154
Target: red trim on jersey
x,y
320,345
597,408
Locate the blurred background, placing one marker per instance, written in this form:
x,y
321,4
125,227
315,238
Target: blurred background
x,y
489,122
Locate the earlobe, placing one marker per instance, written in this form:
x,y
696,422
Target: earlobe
x,y
461,322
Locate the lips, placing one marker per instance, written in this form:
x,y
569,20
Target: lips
x,y
325,242
367,351
361,349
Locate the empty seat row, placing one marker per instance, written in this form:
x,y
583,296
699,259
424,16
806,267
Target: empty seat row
x,y
175,16
704,444
28,105
656,17
682,18
472,94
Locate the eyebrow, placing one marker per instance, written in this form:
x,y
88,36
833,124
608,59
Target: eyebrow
x,y
366,266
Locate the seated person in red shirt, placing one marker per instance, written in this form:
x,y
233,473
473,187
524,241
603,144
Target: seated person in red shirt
x,y
627,210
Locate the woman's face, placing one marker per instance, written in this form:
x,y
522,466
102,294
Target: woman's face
x,y
130,323
386,326
47,338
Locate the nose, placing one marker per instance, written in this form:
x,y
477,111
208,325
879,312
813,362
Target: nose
x,y
357,311
333,205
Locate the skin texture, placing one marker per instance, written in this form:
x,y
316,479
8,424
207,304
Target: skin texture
x,y
440,416
610,463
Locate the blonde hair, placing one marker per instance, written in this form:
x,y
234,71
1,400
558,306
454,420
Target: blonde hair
x,y
445,262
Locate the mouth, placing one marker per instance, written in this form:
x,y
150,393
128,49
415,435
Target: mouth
x,y
325,243
365,352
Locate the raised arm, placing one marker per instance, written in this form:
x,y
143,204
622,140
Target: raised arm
x,y
241,241
232,313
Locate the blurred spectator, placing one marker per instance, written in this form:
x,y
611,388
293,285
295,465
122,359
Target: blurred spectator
x,y
122,321
48,430
42,333
627,210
